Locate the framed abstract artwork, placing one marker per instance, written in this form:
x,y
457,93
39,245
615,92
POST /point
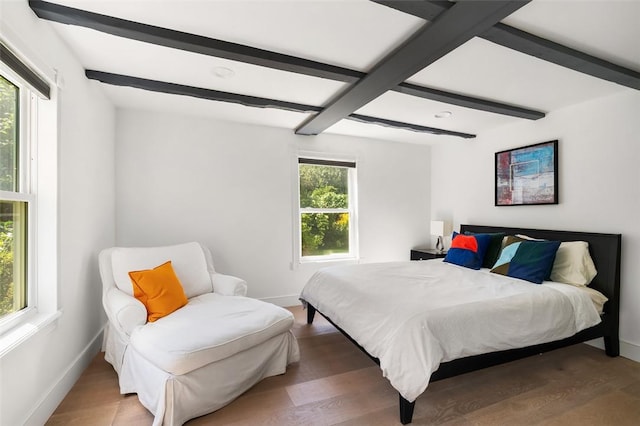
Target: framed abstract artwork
x,y
527,175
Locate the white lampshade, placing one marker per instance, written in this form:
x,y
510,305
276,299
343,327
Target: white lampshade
x,y
437,227
440,228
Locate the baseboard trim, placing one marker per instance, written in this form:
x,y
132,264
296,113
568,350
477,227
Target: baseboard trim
x,y
45,407
627,350
284,301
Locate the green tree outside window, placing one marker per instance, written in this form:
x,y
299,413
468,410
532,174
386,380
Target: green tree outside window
x,y
324,204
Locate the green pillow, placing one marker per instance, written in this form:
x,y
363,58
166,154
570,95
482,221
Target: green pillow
x,y
527,260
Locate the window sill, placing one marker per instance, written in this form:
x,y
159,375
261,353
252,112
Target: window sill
x,y
324,261
328,259
29,328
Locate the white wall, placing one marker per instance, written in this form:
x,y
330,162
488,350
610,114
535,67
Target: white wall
x,y
230,186
37,374
599,179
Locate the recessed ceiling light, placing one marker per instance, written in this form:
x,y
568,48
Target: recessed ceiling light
x,y
223,72
443,114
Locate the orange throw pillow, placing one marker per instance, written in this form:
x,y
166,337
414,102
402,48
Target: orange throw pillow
x,y
159,289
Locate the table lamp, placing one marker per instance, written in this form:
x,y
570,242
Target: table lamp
x,y
440,228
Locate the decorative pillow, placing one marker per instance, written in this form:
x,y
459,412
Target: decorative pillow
x,y
159,289
526,260
493,251
508,251
468,250
573,264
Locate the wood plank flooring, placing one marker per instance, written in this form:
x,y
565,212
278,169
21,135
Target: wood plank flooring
x,y
336,384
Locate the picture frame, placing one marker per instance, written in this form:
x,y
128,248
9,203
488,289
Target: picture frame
x,y
527,175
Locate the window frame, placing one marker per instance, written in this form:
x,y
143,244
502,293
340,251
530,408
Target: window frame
x,y
38,187
26,117
350,164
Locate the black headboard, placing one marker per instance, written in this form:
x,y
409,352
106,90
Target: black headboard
x,y
604,249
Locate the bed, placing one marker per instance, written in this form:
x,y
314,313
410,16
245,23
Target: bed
x,y
360,300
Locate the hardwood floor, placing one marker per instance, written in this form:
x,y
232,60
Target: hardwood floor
x,y
336,384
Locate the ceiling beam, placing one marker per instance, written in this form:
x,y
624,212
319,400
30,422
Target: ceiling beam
x,y
249,101
529,44
468,102
407,126
190,42
218,48
196,92
427,10
452,28
558,54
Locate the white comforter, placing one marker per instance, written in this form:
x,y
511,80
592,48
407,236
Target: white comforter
x,y
414,315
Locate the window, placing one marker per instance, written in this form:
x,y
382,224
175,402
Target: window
x,y
327,209
14,201
22,301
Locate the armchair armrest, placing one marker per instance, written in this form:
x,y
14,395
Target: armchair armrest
x,y
228,285
125,312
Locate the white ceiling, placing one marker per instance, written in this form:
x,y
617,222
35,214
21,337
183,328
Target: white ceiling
x,y
355,34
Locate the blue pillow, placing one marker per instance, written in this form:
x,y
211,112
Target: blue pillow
x,y
468,250
527,260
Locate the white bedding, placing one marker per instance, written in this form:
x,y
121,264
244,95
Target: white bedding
x,y
414,315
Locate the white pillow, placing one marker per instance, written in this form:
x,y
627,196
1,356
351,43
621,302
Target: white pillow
x,y
573,264
188,261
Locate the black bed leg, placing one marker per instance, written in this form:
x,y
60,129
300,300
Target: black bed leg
x,y
406,410
611,346
311,312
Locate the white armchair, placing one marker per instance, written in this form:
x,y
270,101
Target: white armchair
x,y
200,357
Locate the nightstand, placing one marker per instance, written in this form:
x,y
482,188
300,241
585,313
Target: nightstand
x,y
426,253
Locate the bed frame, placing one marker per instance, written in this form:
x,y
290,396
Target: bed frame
x,y
605,251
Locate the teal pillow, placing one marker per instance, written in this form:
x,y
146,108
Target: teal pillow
x,y
527,260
